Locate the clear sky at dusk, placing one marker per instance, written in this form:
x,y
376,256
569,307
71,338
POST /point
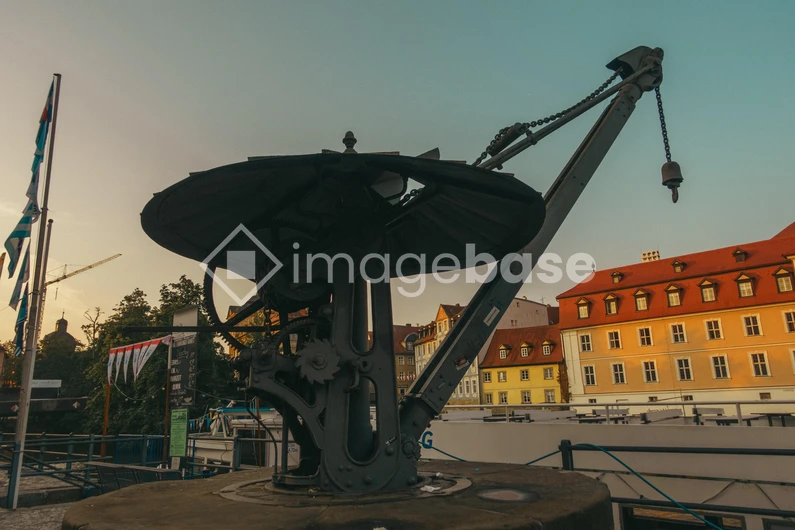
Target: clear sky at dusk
x,y
154,90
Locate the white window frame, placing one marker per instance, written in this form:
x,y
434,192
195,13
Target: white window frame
x,y
640,337
585,374
401,360
645,299
758,324
786,322
410,360
501,395
784,277
526,393
609,343
590,342
583,308
767,363
502,376
710,288
684,333
489,398
525,351
611,306
503,353
656,373
720,329
524,375
678,294
546,349
487,377
750,284
551,372
712,365
623,373
679,368
554,395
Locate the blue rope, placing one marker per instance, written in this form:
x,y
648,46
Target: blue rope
x,y
652,486
543,457
430,446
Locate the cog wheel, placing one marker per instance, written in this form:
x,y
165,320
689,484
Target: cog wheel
x,y
318,361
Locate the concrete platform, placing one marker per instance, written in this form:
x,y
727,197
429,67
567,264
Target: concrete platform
x,y
478,496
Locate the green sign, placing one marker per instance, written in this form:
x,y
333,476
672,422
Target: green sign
x,y
179,432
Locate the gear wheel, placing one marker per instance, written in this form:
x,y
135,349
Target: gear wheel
x,y
318,361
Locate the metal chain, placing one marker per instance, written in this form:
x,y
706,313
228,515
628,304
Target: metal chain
x,y
525,127
662,124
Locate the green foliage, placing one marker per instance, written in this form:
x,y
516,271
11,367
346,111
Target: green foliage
x,y
136,407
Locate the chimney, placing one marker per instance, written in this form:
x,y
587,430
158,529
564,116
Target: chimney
x,y
652,255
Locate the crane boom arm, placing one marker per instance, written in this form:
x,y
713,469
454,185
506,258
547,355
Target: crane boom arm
x,y
84,269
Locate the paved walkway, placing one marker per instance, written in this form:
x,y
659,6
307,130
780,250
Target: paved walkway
x,y
39,518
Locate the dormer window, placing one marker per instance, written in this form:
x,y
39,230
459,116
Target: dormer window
x,y
525,349
547,347
745,285
504,351
739,255
641,300
679,266
583,308
611,304
674,293
783,280
707,291
617,276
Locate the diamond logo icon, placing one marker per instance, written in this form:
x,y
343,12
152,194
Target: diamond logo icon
x,y
240,264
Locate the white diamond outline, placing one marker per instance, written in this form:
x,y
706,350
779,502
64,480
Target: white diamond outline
x,y
205,267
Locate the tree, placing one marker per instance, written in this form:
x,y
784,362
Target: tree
x,y
12,365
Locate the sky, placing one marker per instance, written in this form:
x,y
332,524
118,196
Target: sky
x,y
155,90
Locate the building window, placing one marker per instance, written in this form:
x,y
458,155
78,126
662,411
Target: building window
x,y
489,399
401,360
764,396
461,389
549,396
611,306
713,330
618,374
745,285
739,255
789,318
720,367
466,387
650,371
645,336
591,400
784,281
616,276
678,333
547,349
641,302
401,375
503,398
583,310
411,360
590,375
487,377
402,391
683,367
525,375
526,396
752,328
759,363
687,398
501,377
585,341
678,266
614,339
503,353
652,399
708,293
674,299
525,351
549,373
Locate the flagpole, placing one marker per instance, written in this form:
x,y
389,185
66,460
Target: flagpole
x,y
29,358
35,325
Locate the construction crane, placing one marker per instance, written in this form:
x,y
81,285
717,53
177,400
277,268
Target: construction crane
x,y
62,278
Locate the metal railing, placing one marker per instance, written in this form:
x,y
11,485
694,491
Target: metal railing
x,y
68,458
567,450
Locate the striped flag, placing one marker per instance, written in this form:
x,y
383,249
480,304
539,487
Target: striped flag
x,y
16,241
41,142
22,316
22,278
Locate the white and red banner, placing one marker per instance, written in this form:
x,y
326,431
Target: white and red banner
x,y
139,353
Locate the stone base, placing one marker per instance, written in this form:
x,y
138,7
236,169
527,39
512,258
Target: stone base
x,y
469,496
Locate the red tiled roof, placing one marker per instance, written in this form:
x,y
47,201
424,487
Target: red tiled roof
x,y
719,265
787,232
399,334
514,337
452,310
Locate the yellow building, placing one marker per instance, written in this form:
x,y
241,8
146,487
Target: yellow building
x,y
715,325
523,366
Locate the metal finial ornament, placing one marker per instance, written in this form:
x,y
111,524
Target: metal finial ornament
x,y
349,141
